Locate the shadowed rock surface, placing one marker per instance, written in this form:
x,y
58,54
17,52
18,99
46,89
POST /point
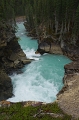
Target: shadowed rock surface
x,y
12,58
5,86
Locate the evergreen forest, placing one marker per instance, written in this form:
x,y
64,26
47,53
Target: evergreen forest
x,y
57,18
55,24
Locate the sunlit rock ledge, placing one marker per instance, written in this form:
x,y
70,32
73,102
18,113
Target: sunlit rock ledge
x,y
68,97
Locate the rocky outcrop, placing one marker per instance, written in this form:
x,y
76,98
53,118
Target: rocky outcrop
x,y
51,42
71,52
68,97
12,58
48,46
72,67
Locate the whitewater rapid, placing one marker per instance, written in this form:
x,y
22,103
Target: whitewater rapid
x,y
41,80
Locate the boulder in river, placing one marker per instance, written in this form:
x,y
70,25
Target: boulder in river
x,y
52,48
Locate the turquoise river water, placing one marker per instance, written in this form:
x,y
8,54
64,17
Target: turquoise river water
x,y
41,80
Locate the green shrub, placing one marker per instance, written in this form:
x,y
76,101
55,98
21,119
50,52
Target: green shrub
x,y
18,112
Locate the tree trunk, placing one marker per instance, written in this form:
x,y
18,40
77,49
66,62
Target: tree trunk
x,y
65,29
61,32
56,24
68,26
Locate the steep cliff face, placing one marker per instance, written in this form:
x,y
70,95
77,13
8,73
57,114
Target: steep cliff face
x,y
68,97
12,58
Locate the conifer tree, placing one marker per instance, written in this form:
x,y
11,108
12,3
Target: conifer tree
x,y
76,23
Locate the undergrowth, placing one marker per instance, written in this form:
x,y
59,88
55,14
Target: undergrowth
x,y
18,112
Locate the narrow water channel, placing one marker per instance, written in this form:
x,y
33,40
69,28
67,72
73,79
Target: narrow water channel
x,y
42,79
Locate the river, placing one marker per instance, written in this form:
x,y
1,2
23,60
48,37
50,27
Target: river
x,y
41,80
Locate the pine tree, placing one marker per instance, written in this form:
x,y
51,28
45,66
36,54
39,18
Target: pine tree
x,y
76,24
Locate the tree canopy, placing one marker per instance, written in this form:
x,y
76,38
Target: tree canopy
x,y
60,18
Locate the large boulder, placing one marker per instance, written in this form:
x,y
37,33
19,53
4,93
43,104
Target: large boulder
x,y
52,48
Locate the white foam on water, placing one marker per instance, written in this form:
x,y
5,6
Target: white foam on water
x,y
41,79
30,53
31,85
22,33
